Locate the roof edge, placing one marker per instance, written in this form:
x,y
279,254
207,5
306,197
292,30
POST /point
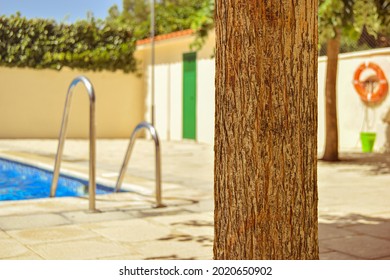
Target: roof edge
x,y
163,37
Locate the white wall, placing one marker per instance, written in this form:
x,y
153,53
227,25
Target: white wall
x,y
168,94
176,101
205,100
162,82
351,110
169,88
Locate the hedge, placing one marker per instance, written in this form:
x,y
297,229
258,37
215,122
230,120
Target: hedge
x,y
87,45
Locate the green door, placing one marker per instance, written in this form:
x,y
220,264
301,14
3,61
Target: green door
x,y
189,95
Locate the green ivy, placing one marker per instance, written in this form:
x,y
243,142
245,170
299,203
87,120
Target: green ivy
x,y
87,45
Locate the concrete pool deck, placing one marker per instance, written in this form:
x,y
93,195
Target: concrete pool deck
x,y
354,208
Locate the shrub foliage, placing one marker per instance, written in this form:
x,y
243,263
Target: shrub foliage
x,y
88,45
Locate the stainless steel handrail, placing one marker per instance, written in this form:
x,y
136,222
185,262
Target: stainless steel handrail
x,y
92,140
154,134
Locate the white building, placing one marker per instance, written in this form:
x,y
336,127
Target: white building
x,y
184,92
184,86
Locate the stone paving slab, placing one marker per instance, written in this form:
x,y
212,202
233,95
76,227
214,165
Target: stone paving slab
x,y
168,249
354,213
133,257
362,247
331,231
51,234
27,257
336,256
192,218
11,248
32,221
3,235
381,230
80,249
79,217
206,205
135,230
42,206
195,225
324,250
159,212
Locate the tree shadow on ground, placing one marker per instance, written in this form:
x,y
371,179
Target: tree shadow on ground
x,y
203,239
354,236
170,257
352,219
196,238
378,163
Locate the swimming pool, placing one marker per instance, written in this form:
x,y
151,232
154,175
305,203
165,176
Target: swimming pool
x,y
19,181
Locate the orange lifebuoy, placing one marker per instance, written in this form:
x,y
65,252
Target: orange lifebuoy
x,y
381,89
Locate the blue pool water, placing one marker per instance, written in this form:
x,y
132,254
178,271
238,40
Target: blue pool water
x,y
21,181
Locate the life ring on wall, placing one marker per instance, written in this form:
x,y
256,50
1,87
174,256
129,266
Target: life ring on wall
x,y
377,93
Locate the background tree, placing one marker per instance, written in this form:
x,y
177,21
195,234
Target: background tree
x,y
170,15
345,18
134,14
265,183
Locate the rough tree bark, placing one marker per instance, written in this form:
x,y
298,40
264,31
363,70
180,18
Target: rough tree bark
x,y
331,152
266,130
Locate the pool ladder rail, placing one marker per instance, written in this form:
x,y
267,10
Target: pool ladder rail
x,y
153,132
92,147
92,141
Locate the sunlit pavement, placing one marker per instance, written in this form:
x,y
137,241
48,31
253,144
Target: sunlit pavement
x,y
354,208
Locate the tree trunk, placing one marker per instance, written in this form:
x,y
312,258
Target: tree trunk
x,y
265,183
331,133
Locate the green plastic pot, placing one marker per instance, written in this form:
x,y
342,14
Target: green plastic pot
x,y
368,141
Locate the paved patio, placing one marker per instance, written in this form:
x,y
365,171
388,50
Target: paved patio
x,y
354,208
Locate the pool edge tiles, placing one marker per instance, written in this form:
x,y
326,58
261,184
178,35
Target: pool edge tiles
x,y
24,181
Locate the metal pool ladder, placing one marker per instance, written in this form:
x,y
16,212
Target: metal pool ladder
x,y
92,140
154,134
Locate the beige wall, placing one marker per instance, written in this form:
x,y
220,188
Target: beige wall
x,y
32,103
